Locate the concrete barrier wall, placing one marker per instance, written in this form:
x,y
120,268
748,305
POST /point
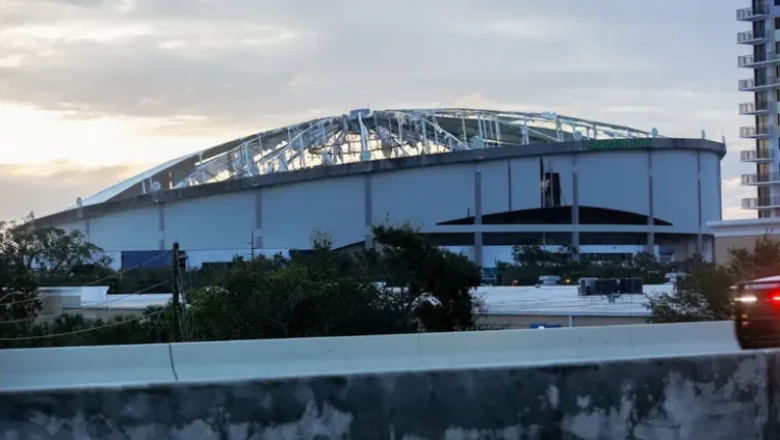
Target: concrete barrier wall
x,y
209,361
162,363
65,367
727,396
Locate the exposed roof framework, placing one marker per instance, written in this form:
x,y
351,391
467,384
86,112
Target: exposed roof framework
x,y
363,135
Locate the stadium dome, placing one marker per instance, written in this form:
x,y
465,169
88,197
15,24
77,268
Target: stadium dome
x,y
362,135
507,178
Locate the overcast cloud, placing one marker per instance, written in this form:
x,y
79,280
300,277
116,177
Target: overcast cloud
x,y
214,67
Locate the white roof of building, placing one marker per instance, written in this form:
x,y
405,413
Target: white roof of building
x,y
563,300
522,300
117,189
125,301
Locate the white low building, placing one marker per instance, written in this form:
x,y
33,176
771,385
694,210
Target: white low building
x,y
504,307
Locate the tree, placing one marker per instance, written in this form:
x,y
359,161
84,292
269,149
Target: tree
x,y
52,252
19,303
324,293
435,284
760,261
153,326
140,279
533,261
32,255
647,266
56,257
703,295
537,256
318,293
335,293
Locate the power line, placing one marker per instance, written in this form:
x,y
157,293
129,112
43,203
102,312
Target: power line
x,y
93,282
85,330
87,308
185,303
124,271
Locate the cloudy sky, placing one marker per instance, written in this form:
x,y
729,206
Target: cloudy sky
x,y
93,91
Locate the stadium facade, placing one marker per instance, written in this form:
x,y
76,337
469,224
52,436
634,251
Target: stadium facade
x,y
476,181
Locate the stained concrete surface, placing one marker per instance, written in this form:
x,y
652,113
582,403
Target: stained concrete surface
x,y
704,397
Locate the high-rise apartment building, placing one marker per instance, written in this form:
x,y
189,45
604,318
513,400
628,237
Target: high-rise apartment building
x,y
764,83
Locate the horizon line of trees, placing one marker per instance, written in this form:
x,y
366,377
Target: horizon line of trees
x,y
407,285
529,263
322,293
705,294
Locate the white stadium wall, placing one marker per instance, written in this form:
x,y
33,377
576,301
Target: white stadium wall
x,y
615,180
423,196
137,229
676,185
291,213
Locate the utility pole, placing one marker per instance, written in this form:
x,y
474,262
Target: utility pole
x,y
176,268
252,244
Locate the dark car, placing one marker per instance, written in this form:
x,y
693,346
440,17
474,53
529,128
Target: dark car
x,y
757,314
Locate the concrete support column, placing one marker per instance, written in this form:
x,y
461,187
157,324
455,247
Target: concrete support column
x,y
699,236
257,230
478,216
509,185
161,224
650,204
720,190
368,202
80,214
575,213
87,232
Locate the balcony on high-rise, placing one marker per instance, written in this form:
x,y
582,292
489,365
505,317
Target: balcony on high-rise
x,y
758,59
761,203
750,37
757,12
756,155
751,85
761,179
755,108
756,131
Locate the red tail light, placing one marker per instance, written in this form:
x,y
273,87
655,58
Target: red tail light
x,y
776,298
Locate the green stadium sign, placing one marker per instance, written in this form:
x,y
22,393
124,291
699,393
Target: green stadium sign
x,y
617,144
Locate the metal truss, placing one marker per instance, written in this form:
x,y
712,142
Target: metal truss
x,y
364,135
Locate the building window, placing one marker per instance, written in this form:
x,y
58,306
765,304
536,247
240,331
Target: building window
x,y
759,52
777,19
